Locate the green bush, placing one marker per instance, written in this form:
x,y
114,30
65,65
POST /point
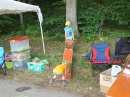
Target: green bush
x,y
6,24
58,37
53,25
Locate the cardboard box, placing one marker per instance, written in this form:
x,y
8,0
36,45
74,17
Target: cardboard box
x,y
104,89
106,79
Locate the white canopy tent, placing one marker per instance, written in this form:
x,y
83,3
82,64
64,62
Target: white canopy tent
x,y
16,7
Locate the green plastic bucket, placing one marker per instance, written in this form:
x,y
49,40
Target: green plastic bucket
x,y
9,65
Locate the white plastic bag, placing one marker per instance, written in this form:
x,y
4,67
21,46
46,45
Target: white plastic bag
x,y
115,70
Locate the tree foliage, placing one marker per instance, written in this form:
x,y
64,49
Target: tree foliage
x,y
97,18
94,17
6,23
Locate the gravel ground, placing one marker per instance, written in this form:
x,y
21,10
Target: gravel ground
x,y
9,89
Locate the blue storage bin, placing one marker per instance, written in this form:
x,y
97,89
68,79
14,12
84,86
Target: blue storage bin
x,y
30,67
39,68
19,65
36,66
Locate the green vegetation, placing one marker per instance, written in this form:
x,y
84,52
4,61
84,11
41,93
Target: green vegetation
x,y
94,19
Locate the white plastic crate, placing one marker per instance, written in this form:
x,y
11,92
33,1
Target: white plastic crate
x,y
19,43
20,55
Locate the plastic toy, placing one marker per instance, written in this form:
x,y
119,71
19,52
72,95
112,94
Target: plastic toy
x,y
45,61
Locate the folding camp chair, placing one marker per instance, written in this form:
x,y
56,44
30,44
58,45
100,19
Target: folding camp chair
x,y
100,57
2,61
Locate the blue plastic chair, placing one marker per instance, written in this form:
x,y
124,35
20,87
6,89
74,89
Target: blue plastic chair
x,y
100,57
2,61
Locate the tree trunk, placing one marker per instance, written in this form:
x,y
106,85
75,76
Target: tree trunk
x,y
71,14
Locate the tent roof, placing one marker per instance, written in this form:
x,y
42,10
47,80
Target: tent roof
x,y
16,7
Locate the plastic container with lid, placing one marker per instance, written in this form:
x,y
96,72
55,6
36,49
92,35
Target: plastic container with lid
x,y
19,43
19,65
36,66
21,55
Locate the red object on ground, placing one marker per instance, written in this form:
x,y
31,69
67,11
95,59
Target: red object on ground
x,y
68,53
68,73
69,44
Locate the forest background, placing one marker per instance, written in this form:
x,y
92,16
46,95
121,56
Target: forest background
x,y
98,21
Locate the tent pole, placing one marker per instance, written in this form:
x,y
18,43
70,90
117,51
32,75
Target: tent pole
x,y
42,38
21,19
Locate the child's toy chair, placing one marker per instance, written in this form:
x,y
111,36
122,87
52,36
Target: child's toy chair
x,y
100,57
2,61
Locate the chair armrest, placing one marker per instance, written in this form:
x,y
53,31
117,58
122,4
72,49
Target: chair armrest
x,y
87,57
114,56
